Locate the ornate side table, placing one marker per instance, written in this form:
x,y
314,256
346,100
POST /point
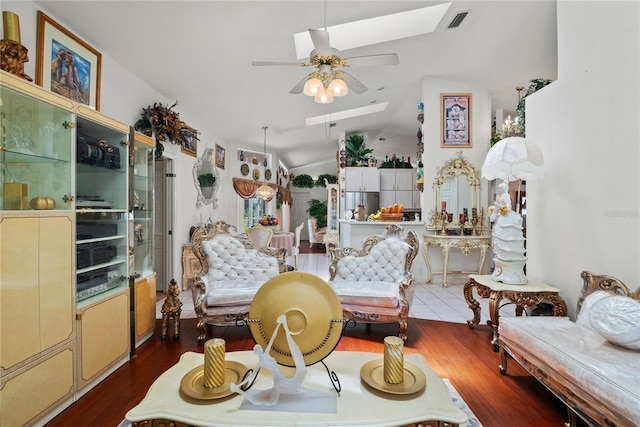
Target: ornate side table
x,y
521,295
464,243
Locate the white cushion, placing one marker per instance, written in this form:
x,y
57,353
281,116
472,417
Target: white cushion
x,y
585,310
373,293
385,262
617,318
232,292
607,372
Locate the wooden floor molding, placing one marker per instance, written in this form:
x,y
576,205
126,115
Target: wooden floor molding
x,y
454,351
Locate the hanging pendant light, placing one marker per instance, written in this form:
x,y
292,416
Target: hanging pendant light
x,y
264,191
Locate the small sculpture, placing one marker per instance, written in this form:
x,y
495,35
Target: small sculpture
x,y
508,240
171,309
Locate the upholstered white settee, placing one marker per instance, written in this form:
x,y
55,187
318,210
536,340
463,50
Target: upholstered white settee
x,y
592,364
232,271
375,284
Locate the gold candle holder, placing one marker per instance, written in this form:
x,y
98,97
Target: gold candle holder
x,y
214,363
11,26
393,360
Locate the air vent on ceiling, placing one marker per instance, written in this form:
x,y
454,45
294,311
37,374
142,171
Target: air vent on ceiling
x,y
457,20
332,125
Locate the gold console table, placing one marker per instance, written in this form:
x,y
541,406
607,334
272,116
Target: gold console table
x,y
464,243
521,295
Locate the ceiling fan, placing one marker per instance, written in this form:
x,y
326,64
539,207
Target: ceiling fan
x,y
329,80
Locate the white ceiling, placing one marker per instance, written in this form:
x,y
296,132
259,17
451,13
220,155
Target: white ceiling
x,y
200,53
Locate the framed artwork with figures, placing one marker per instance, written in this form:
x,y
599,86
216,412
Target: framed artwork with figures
x,y
220,156
455,120
67,65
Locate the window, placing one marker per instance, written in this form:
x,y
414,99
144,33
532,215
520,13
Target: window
x,y
254,209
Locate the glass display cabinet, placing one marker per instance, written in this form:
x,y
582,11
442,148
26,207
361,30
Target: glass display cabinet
x,y
141,207
332,237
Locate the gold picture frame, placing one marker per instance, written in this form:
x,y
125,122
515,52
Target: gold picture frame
x,y
220,156
455,120
190,145
72,66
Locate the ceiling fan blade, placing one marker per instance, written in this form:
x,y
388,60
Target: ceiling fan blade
x,y
373,60
270,63
354,84
320,39
297,89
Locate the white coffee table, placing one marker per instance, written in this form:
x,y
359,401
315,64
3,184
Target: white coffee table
x,y
358,404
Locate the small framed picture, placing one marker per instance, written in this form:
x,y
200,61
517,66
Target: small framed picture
x,y
455,120
65,64
220,155
190,145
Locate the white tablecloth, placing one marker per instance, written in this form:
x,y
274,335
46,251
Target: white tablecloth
x,y
283,239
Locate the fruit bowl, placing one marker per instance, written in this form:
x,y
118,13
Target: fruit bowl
x,y
391,217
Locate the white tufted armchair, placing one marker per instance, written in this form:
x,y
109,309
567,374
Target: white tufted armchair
x,y
316,236
375,284
232,271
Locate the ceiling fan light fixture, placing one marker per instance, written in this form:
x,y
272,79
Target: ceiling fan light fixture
x,y
324,98
338,87
313,87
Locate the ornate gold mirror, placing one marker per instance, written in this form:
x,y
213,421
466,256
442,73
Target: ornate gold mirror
x,y
206,179
457,187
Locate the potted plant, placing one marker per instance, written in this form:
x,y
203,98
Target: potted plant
x,y
303,181
206,180
318,210
356,150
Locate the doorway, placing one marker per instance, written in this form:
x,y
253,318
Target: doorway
x,y
163,220
299,206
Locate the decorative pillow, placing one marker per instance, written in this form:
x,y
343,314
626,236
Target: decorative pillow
x,y
617,318
585,309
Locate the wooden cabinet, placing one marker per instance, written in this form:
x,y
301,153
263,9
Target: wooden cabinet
x,y
399,186
145,308
362,179
103,337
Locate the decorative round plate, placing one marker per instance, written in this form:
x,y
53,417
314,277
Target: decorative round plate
x,y
314,316
256,174
267,174
244,169
192,383
372,373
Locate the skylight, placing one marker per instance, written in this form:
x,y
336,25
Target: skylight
x,y
346,114
376,30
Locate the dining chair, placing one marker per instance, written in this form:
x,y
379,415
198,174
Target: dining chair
x,y
296,247
260,236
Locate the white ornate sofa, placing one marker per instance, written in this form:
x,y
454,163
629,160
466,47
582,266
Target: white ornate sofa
x,y
232,271
595,378
375,284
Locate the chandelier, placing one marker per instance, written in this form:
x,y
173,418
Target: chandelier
x,y
264,191
325,84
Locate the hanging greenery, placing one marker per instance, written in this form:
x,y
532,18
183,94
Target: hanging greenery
x,y
279,199
206,180
303,181
161,120
536,85
331,179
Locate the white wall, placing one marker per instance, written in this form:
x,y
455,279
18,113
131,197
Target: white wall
x,y
585,214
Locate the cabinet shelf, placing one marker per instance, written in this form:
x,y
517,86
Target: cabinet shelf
x,y
115,261
101,239
14,155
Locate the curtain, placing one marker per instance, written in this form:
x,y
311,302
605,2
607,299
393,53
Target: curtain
x,y
246,188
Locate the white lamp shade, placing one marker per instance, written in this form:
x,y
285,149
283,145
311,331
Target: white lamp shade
x,y
338,87
313,87
513,158
324,98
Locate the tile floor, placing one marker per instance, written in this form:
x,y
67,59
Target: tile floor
x,y
431,301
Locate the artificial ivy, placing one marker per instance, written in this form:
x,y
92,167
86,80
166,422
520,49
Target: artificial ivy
x,y
536,85
303,181
331,179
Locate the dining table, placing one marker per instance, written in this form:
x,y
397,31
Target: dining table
x,y
283,239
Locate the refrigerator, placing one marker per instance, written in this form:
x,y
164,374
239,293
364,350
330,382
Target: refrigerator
x,y
371,201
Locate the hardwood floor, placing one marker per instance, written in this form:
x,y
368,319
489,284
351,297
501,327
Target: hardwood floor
x,y
454,351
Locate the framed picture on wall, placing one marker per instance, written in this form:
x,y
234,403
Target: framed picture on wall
x,y
220,156
190,145
455,120
67,65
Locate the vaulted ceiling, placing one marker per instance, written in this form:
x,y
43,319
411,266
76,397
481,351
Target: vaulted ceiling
x,y
200,53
